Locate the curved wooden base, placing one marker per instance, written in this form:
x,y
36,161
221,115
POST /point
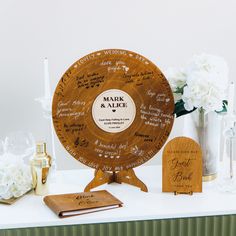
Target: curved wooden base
x,y
124,176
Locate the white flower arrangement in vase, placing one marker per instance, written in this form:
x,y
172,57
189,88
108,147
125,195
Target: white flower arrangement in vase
x,y
202,84
15,177
200,87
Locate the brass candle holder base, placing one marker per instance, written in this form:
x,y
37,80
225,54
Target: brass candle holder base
x,y
208,178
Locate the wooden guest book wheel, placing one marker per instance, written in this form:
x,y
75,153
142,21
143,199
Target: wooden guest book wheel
x,y
113,110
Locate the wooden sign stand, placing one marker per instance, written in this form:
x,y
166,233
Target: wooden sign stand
x,y
189,193
124,176
182,166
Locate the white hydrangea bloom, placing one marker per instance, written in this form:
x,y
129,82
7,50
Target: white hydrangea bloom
x,y
205,80
15,177
202,92
212,65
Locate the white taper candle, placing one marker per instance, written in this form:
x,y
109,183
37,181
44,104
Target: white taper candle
x,y
47,90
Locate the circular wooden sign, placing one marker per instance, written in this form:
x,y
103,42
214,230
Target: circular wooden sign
x,y
113,110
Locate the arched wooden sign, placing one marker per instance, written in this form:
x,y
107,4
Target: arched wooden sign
x,y
113,110
182,166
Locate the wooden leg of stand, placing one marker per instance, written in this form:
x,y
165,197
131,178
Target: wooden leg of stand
x,y
100,177
124,176
129,177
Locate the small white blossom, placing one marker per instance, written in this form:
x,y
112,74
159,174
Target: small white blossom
x,y
15,177
176,77
177,80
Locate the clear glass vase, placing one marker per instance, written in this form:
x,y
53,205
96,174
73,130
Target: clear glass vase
x,y
206,129
227,177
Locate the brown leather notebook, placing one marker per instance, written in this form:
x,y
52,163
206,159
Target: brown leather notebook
x,y
72,204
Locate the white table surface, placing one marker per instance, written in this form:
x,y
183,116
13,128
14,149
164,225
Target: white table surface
x,y
30,211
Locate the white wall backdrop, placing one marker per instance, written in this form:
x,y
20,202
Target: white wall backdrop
x,y
167,32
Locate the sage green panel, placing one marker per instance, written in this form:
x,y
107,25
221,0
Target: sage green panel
x,y
197,226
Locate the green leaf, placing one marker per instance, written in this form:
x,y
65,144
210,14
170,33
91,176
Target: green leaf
x,y
180,109
224,107
180,90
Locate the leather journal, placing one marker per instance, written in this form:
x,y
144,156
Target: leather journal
x,y
72,204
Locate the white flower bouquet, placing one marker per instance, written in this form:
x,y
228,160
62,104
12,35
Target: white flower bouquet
x,y
15,177
201,85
